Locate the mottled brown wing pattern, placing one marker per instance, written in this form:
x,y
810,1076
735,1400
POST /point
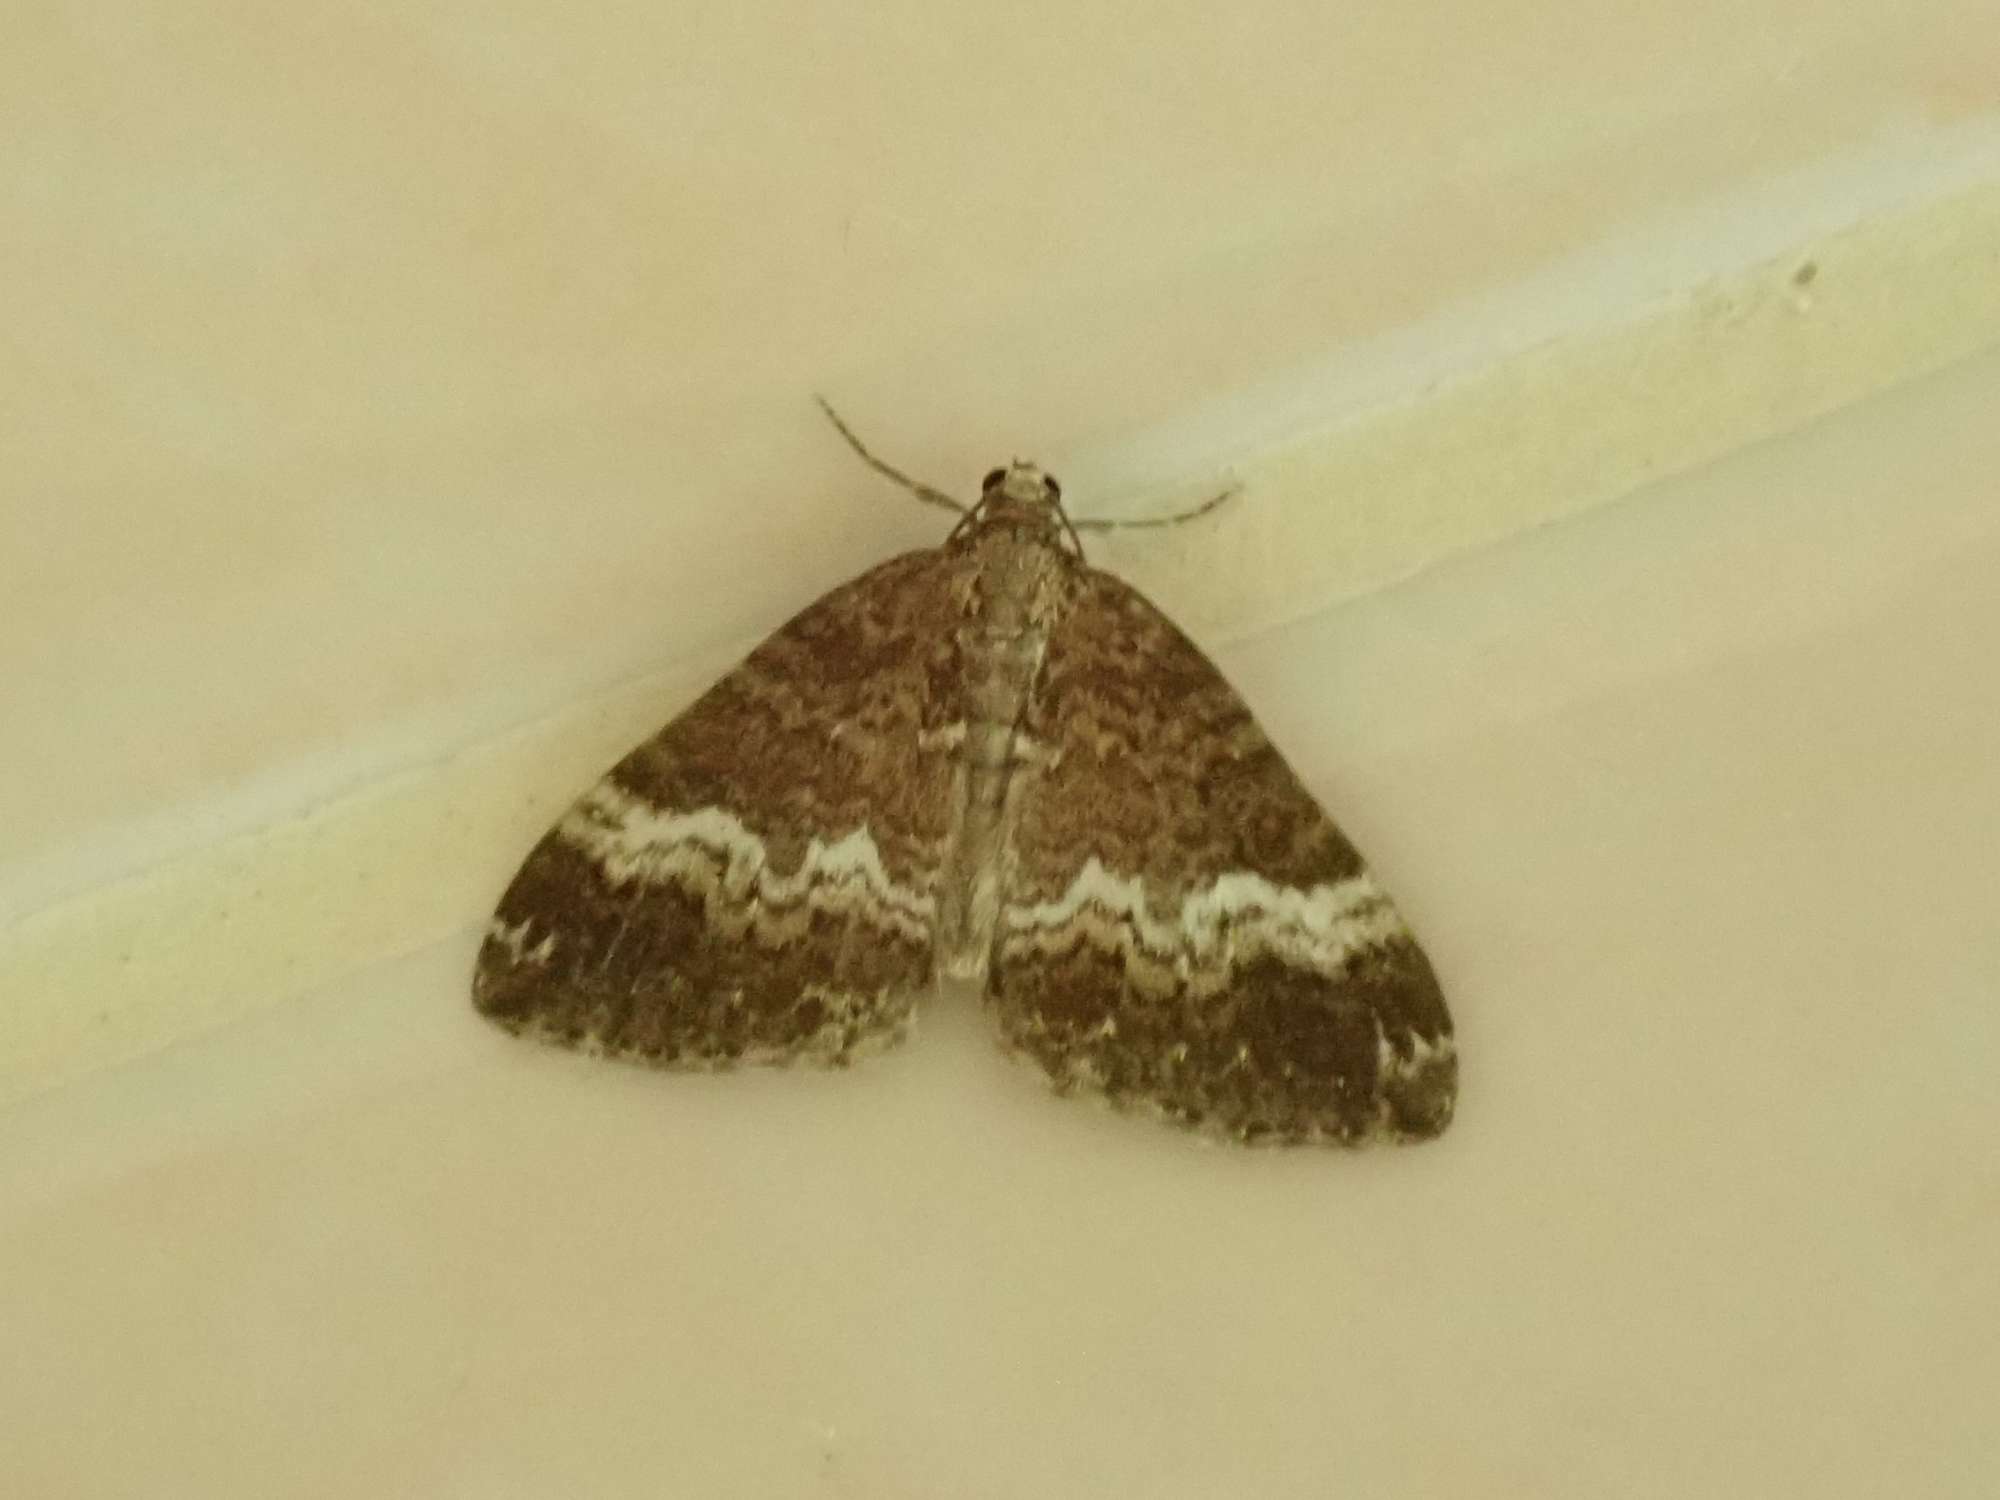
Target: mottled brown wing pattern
x,y
758,882
1184,927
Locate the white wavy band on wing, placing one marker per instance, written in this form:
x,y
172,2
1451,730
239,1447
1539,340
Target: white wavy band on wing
x,y
1425,1053
711,852
514,939
1233,919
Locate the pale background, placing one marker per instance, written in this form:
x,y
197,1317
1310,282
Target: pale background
x,y
407,406
1695,802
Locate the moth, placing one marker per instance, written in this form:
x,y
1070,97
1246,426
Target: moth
x,y
986,761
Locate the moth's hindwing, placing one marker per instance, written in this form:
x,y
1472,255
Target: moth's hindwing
x,y
1184,927
758,881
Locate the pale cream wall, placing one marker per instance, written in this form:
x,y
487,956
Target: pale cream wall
x,y
379,378
1696,805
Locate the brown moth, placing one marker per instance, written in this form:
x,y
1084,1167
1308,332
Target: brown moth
x,y
986,761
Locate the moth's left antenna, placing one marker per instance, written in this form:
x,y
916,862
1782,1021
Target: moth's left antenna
x,y
927,493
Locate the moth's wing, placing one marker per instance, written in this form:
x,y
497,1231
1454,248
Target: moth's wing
x,y
757,882
1184,927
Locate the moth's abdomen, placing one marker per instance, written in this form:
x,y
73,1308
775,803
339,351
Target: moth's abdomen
x,y
1000,648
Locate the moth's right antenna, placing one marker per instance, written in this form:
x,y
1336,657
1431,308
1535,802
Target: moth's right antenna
x,y
927,493
1178,518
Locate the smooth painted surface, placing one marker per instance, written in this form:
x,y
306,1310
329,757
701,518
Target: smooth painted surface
x,y
399,372
1696,802
411,408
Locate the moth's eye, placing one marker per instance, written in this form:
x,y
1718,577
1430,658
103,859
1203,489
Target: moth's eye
x,y
992,479
1055,489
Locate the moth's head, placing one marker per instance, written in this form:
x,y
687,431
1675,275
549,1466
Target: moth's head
x,y
1019,501
1021,487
